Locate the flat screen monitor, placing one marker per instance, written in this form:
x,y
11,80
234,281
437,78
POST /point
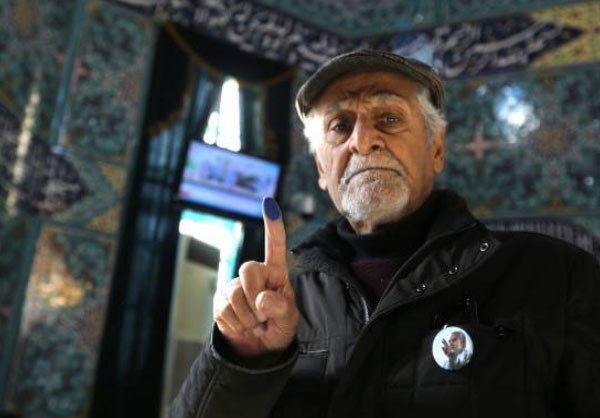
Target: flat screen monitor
x,y
226,182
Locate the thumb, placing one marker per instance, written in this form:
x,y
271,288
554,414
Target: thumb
x,y
280,309
272,304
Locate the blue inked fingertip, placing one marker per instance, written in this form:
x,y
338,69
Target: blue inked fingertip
x,y
271,208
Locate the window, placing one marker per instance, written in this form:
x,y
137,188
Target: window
x,y
223,127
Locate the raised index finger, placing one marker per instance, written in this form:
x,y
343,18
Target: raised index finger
x,y
275,248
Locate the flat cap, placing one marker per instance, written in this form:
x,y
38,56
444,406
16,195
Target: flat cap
x,y
368,60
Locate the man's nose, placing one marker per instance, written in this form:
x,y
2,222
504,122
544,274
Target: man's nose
x,y
365,138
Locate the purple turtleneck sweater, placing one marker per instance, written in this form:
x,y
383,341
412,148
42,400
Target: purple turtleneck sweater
x,y
376,257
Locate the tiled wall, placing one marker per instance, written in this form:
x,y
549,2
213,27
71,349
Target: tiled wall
x,y
526,143
73,71
359,19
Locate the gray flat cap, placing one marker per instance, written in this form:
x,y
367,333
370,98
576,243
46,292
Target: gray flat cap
x,y
368,60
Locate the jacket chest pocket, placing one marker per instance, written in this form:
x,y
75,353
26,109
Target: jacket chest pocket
x,y
309,369
305,395
492,374
498,373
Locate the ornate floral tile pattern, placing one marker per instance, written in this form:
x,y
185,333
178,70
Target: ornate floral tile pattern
x,y
525,144
62,322
33,177
104,98
73,185
34,35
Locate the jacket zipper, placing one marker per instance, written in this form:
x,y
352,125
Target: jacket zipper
x,y
363,301
367,310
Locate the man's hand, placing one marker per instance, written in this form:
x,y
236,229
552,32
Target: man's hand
x,y
445,347
257,312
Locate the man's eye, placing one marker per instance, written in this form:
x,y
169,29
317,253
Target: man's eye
x,y
340,127
391,119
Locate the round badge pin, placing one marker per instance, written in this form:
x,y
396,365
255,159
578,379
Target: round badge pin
x,y
452,348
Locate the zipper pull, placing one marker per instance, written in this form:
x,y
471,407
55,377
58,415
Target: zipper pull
x,y
362,300
471,310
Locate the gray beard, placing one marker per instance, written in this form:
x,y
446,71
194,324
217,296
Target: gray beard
x,y
377,196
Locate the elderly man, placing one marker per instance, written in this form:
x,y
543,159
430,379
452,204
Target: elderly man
x,y
353,331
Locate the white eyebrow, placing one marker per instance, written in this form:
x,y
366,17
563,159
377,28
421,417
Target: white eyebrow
x,y
380,95
386,95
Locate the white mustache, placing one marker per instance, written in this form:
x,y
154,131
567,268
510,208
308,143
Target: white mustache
x,y
378,161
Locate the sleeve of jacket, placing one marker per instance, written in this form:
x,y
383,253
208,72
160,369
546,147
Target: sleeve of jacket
x,y
216,387
580,395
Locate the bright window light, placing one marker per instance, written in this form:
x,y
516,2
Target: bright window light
x,y
516,114
223,128
212,129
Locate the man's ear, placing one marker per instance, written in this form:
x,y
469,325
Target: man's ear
x,y
321,171
439,150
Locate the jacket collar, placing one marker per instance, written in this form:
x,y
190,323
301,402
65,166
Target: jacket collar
x,y
452,216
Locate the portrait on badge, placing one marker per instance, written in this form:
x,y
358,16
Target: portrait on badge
x,y
452,348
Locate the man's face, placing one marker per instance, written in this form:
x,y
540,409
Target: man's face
x,y
374,159
455,345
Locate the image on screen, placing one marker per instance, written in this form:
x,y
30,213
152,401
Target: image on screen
x,y
227,181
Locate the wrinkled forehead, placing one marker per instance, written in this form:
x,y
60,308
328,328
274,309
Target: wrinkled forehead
x,y
368,87
368,94
366,98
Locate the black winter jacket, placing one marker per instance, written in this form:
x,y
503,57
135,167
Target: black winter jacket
x,y
530,303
